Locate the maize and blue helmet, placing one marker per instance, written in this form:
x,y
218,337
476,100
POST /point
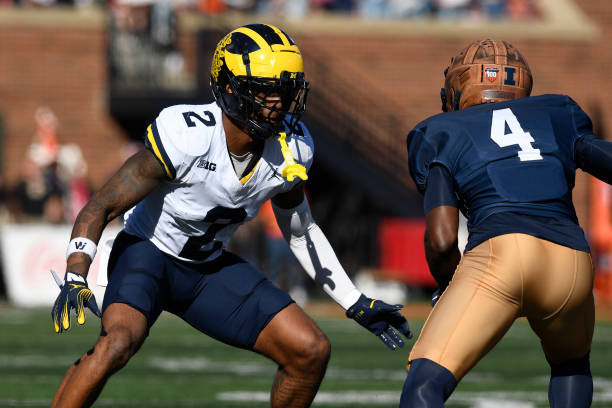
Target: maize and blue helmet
x,y
251,63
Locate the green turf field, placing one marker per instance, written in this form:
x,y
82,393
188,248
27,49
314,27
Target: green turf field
x,y
179,367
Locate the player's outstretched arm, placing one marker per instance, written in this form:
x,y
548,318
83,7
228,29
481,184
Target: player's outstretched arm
x,y
595,157
131,183
315,254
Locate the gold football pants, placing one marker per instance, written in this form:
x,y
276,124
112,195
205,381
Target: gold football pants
x,y
503,278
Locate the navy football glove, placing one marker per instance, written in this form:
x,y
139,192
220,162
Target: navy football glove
x,y
380,318
74,294
435,297
437,294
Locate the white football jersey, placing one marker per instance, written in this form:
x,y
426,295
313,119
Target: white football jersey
x,y
196,210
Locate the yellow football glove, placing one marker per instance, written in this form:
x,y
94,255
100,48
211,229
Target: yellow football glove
x,y
74,294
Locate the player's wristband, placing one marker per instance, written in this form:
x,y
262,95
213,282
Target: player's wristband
x,y
81,244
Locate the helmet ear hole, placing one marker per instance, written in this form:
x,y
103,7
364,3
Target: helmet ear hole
x,y
443,98
457,100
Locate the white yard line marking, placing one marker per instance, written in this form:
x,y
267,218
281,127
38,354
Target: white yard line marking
x,y
493,399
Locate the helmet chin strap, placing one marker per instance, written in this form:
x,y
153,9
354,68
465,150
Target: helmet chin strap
x,y
260,130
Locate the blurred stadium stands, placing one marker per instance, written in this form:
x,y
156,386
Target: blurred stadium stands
x,y
375,67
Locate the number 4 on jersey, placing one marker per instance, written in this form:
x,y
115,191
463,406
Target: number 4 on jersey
x,y
517,135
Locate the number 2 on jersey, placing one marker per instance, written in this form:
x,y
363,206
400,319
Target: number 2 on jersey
x,y
201,247
517,135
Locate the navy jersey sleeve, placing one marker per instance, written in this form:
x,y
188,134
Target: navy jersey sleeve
x,y
440,189
425,148
430,143
582,123
419,157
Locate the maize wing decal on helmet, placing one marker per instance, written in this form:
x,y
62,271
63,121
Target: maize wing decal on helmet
x,y
252,63
485,71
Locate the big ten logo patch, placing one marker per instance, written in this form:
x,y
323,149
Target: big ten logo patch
x,y
205,164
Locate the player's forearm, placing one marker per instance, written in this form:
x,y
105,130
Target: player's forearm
x,y
138,176
315,254
442,262
89,224
318,259
595,157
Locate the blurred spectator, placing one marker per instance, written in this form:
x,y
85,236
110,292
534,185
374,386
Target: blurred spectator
x,y
281,8
142,48
52,187
38,195
211,6
242,5
521,9
319,6
72,172
45,137
342,6
493,9
151,23
409,8
452,9
372,8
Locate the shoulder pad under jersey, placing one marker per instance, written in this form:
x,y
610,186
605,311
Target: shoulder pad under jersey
x,y
432,142
181,132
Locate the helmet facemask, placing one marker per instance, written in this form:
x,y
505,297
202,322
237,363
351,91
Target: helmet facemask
x,y
267,105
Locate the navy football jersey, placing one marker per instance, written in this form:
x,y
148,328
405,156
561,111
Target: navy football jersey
x,y
508,160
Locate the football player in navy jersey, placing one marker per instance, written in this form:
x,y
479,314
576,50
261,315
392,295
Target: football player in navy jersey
x,y
206,170
507,161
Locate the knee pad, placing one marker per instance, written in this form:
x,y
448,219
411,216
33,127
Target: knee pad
x,y
428,385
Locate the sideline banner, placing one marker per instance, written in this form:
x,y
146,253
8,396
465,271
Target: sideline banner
x,y
29,251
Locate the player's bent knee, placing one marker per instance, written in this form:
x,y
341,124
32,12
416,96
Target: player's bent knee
x,y
118,346
427,385
571,384
313,352
317,350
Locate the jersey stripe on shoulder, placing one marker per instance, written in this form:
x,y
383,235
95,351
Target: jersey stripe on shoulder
x,y
154,143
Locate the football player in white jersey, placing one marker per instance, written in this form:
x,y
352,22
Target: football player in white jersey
x,y
206,170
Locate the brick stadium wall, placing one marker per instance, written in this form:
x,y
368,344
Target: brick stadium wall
x,y
58,59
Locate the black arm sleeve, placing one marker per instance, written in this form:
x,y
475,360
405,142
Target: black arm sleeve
x,y
594,156
440,189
